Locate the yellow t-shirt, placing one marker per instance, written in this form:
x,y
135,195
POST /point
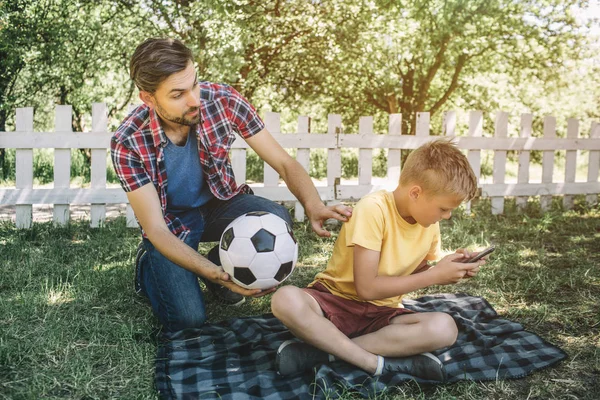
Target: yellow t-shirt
x,y
376,225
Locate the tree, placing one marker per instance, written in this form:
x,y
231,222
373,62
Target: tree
x,y
415,56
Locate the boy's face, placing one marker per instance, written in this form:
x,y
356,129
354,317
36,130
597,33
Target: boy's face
x,y
427,209
177,98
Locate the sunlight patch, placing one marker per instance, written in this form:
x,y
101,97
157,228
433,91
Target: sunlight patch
x,y
528,253
107,266
57,297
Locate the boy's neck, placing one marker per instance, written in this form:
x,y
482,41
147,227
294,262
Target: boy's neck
x,y
402,201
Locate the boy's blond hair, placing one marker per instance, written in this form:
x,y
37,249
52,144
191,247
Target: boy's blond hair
x,y
439,167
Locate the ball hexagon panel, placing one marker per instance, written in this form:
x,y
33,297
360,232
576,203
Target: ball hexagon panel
x,y
241,252
246,226
265,265
285,248
274,224
263,240
264,284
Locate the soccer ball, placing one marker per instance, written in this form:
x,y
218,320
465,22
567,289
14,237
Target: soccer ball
x,y
258,250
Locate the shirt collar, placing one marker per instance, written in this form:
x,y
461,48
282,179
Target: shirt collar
x,y
158,134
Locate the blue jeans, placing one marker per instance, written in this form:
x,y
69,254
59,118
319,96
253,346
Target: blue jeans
x,y
173,291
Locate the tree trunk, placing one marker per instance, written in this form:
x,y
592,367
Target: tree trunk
x,y
3,166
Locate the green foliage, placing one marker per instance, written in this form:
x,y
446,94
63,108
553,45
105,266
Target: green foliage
x,y
365,57
43,165
255,167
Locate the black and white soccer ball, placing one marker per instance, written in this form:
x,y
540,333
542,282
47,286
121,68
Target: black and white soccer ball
x,y
258,250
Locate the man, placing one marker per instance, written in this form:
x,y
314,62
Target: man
x,y
171,156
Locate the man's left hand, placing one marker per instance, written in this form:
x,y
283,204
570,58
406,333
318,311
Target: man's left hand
x,y
321,213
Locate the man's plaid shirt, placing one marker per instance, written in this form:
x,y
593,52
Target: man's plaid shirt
x,y
137,146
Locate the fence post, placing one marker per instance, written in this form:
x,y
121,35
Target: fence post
x,y
570,161
548,160
238,164
449,123
423,123
334,158
365,156
394,160
303,157
523,174
98,174
24,166
474,156
501,131
63,115
593,165
273,125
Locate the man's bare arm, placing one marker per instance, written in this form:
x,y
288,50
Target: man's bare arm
x,y
297,181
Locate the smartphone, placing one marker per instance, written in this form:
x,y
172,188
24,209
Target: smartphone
x,y
480,255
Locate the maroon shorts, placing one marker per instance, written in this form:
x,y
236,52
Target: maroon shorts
x,y
353,318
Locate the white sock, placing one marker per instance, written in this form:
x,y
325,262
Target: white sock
x,y
379,369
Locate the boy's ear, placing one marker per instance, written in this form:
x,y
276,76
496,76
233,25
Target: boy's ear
x,y
415,191
147,98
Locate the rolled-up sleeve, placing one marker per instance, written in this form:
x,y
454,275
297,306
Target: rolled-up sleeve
x,y
128,166
243,116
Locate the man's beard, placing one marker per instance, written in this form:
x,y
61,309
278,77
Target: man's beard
x,y
179,120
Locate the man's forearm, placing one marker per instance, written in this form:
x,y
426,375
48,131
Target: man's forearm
x,y
300,184
181,254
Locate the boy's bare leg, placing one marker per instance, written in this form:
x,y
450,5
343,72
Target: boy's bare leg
x,y
409,334
301,314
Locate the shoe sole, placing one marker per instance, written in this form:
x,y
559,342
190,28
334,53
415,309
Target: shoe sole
x,y
279,350
434,358
239,303
439,363
284,345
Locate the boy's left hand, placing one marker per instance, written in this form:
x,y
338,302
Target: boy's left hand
x,y
468,254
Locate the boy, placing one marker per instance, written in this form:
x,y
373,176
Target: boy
x,y
353,310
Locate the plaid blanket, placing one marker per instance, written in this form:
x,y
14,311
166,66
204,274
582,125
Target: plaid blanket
x,y
235,359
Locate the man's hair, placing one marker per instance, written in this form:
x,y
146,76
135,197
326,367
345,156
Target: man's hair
x,y
155,60
439,167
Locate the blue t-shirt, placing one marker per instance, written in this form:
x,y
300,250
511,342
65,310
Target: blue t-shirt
x,y
186,188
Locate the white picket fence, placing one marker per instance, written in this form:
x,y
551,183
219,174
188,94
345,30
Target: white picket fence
x,y
24,139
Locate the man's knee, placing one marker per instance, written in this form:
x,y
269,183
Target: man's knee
x,y
187,320
283,213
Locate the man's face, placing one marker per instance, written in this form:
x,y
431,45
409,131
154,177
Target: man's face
x,y
177,98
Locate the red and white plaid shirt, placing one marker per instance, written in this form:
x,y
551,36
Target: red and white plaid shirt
x,y
137,147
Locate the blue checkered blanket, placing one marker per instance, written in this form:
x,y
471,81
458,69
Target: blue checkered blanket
x,y
235,359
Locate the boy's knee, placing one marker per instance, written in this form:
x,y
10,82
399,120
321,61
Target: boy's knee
x,y
446,329
286,301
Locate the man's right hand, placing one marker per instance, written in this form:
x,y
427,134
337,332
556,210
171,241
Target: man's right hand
x,y
222,278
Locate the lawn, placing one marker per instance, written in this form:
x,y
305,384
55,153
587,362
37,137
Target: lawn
x,y
71,327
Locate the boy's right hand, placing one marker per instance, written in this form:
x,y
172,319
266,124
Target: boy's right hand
x,y
451,269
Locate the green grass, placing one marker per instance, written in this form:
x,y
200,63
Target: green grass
x,y
70,326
